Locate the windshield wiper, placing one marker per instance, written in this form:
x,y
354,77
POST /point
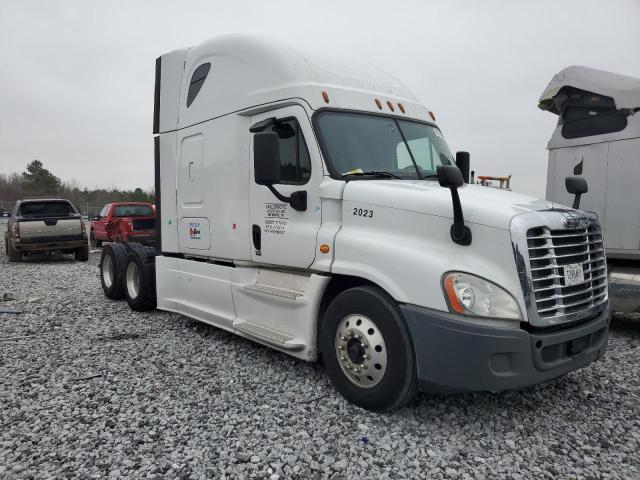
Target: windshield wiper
x,y
373,173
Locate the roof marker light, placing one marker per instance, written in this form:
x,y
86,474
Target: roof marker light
x,y
432,115
325,95
401,107
390,105
379,104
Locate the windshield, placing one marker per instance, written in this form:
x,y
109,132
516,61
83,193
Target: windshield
x,y
356,143
132,211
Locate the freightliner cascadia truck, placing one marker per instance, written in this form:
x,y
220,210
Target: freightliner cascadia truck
x,y
314,206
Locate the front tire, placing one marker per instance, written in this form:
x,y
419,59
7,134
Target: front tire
x,y
140,279
367,349
112,265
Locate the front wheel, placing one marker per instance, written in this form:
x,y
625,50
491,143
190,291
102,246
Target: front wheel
x,y
367,349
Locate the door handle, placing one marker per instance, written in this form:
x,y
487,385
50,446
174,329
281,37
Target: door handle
x,y
190,178
256,235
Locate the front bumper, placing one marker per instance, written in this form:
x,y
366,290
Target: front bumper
x,y
455,356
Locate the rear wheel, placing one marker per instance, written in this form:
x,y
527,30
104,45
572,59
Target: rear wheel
x,y
94,242
14,255
112,266
82,253
140,280
367,349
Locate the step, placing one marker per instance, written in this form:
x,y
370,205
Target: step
x,y
270,336
274,291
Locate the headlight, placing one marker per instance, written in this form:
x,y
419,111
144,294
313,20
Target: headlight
x,y
471,295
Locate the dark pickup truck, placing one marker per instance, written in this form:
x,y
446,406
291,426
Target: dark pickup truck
x,y
45,225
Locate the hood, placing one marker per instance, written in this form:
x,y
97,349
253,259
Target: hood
x,y
481,205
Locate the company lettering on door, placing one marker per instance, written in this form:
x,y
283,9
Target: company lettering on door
x,y
275,220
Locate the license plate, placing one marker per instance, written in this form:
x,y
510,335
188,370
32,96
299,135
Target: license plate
x,y
573,274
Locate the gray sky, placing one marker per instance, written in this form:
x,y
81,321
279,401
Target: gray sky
x,y
77,76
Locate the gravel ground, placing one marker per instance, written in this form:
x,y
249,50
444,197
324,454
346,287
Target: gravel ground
x,y
89,389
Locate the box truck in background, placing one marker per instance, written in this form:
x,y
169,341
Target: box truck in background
x,y
597,137
314,206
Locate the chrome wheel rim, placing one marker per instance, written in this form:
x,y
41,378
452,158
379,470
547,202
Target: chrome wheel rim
x,y
107,271
133,280
361,351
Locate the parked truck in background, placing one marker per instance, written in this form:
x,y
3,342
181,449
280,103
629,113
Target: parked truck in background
x,y
45,226
124,222
597,138
314,206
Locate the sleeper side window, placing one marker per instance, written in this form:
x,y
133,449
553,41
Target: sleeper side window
x,y
197,80
295,163
585,122
585,114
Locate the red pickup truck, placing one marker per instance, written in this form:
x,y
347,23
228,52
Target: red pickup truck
x,y
125,222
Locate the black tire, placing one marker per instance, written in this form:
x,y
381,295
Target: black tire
x,y
82,254
14,255
398,383
94,242
112,265
140,278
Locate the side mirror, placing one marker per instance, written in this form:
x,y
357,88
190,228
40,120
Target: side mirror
x,y
449,176
576,186
463,161
266,158
266,168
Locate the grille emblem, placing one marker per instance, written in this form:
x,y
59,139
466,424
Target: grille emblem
x,y
579,223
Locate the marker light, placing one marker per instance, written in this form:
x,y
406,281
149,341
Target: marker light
x,y
432,115
390,105
324,248
325,95
379,104
471,295
401,107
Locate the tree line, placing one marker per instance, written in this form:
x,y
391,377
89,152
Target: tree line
x,y
37,181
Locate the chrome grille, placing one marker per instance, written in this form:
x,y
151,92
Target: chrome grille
x,y
549,250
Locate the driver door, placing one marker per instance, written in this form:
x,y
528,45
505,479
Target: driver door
x,y
281,235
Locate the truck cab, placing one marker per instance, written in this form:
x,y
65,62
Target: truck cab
x,y
314,206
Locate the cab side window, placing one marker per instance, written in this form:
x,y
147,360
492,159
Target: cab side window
x,y
103,212
295,163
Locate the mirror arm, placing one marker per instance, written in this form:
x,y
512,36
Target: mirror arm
x,y
576,201
297,200
460,233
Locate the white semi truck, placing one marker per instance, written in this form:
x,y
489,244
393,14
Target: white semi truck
x,y
314,207
597,138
